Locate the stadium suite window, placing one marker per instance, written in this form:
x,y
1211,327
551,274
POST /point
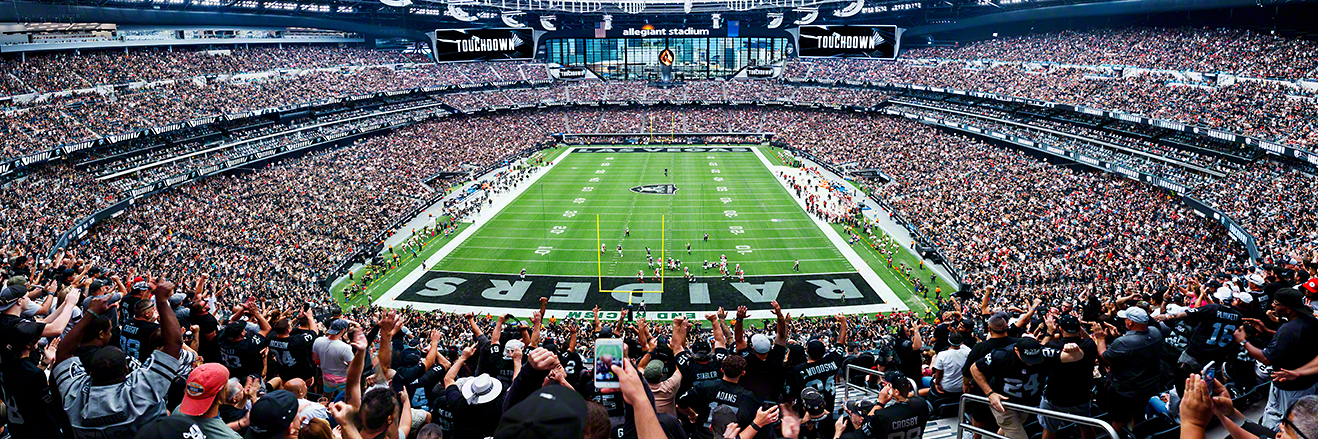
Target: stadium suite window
x,y
638,58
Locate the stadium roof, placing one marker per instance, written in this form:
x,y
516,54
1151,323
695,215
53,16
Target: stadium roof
x,y
407,18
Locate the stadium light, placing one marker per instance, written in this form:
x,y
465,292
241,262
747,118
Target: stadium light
x,y
510,19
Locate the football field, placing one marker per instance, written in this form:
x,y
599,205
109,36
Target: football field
x,y
660,201
582,228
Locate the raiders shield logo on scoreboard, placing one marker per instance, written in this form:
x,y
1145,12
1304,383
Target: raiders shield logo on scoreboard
x,y
656,189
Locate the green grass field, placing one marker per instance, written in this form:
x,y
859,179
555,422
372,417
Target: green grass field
x,y
551,228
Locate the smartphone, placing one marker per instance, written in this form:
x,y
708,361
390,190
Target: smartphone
x,y
608,352
1209,373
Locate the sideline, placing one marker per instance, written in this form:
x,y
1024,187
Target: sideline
x,y
890,299
498,203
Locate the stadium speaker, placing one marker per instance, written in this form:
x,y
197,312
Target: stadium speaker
x,y
931,254
964,293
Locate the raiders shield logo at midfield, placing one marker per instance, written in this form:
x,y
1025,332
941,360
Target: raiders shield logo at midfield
x,y
656,189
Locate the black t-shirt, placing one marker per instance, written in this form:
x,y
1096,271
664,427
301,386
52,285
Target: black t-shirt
x,y
821,375
493,363
696,372
293,354
1289,350
135,339
206,324
978,352
901,420
941,332
764,377
612,401
1010,376
243,357
1071,384
408,377
904,348
26,389
230,413
1213,337
571,362
433,382
703,397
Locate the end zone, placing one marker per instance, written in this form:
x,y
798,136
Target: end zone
x,y
573,296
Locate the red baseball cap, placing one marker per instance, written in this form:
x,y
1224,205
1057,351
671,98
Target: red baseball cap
x,y
1312,285
204,383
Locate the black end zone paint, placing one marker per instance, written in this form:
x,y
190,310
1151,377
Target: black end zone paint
x,y
572,293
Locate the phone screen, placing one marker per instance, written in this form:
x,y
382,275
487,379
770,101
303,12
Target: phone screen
x,y
608,352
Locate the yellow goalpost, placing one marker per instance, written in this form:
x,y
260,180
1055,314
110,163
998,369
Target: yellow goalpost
x,y
599,259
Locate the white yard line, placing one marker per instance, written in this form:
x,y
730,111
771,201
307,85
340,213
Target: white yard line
x,y
890,299
498,203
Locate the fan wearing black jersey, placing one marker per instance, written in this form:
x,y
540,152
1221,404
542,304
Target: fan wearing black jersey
x,y
895,416
698,402
291,347
243,353
701,364
1016,375
141,335
1069,386
820,371
1212,339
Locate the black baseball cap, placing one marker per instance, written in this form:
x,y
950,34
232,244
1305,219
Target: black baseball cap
x,y
860,407
1030,350
815,349
10,295
1068,323
552,412
235,327
700,349
812,400
1293,299
899,382
272,414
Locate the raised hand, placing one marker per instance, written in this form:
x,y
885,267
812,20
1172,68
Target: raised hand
x,y
543,359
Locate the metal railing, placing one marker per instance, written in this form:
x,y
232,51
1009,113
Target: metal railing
x,y
962,426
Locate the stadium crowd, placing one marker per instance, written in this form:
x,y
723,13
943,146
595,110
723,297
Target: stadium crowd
x,y
201,310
